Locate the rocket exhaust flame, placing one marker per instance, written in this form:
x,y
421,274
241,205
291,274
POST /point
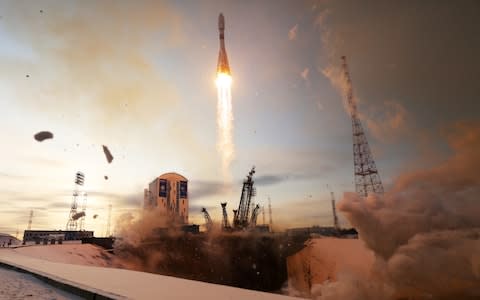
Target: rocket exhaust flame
x,y
225,122
224,106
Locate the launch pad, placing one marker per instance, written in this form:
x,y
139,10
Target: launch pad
x,y
243,259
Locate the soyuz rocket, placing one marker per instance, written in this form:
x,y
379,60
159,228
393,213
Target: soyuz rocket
x,y
222,65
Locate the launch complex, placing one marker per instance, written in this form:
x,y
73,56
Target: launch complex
x,y
241,253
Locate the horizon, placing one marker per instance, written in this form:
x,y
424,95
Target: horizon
x,y
140,79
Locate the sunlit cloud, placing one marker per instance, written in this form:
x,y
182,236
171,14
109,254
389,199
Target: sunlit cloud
x,y
292,33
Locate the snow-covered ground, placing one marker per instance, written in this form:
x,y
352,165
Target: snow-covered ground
x,y
16,285
323,259
78,254
6,238
56,262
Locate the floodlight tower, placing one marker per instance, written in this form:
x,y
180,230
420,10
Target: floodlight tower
x,y
367,179
74,216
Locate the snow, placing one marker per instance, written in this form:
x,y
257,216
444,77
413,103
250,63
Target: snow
x,y
5,238
79,254
16,285
56,262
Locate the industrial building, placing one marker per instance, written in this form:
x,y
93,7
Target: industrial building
x,y
64,235
169,194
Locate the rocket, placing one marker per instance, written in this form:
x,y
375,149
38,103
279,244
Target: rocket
x,y
222,65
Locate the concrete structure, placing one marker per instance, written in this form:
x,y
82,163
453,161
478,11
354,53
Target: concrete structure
x,y
324,231
65,235
169,194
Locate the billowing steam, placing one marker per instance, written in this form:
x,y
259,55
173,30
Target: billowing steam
x,y
225,144
425,231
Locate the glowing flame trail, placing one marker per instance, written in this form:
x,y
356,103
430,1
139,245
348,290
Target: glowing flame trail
x,y
225,144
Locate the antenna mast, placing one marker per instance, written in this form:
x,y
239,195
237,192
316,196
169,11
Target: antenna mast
x,y
270,214
107,234
30,220
334,210
263,215
367,179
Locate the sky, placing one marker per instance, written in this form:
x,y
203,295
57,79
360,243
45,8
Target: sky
x,y
139,78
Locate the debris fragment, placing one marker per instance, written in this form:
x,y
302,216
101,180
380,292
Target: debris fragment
x,y
108,155
106,177
27,75
43,135
95,216
78,215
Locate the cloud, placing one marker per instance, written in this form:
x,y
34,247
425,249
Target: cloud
x,y
320,106
321,18
99,52
12,176
335,75
200,188
292,33
304,74
120,200
385,123
270,179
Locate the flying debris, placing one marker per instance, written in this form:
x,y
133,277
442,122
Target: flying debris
x,y
108,155
43,135
95,216
78,215
105,177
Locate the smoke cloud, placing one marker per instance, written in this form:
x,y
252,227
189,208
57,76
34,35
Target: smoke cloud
x,y
425,231
384,121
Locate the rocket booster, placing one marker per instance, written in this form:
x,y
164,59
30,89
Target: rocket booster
x,y
222,65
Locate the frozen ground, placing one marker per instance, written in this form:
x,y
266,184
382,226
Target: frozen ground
x,y
16,285
55,262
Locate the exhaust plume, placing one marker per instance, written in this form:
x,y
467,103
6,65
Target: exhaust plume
x,y
225,122
425,231
224,107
